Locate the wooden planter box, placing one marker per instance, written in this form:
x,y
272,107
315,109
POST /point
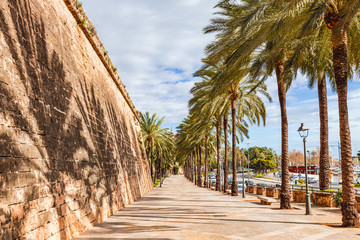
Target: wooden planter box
x,y
271,192
325,199
251,189
260,190
299,196
357,199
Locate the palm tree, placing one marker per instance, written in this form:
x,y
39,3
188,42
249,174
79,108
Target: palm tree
x,y
314,59
164,146
341,18
338,16
155,138
226,167
225,97
241,35
243,96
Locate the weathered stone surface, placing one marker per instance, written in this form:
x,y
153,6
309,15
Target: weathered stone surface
x,y
325,199
299,196
260,190
251,189
69,149
271,192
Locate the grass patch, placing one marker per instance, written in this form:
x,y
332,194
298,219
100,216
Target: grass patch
x,y
298,185
157,182
332,190
259,176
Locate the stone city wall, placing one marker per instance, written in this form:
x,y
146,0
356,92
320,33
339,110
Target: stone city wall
x,y
70,154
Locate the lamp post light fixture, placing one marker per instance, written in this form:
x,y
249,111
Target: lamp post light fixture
x,y
304,132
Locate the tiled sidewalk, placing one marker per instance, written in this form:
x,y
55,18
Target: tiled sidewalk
x,y
180,210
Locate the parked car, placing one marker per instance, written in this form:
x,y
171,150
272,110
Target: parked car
x,y
262,185
312,180
249,183
240,186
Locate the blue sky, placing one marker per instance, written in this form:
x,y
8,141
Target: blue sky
x,y
158,44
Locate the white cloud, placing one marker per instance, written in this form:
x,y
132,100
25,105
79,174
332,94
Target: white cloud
x,y
157,45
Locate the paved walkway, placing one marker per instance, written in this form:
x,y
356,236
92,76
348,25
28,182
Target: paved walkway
x,y
180,210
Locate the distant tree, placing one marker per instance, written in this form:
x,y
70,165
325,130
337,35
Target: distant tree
x,y
314,157
296,158
261,152
262,165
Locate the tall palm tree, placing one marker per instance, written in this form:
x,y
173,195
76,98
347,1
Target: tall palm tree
x,y
164,146
226,167
341,18
150,126
155,138
314,59
242,36
243,96
225,97
209,111
338,16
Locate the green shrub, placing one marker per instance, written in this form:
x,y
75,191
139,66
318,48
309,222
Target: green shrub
x,y
157,182
82,22
78,4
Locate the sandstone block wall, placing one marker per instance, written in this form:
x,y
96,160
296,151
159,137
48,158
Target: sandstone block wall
x,y
69,149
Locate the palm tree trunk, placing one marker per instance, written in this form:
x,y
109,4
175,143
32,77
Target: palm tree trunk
x,y
285,191
194,164
191,173
217,188
324,178
348,206
150,161
206,155
234,189
157,167
226,167
199,183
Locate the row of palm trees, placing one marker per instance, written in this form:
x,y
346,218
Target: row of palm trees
x,y
159,144
254,39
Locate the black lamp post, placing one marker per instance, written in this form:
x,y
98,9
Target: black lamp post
x,y
243,180
303,132
248,162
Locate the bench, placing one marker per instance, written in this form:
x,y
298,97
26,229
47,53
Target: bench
x,y
266,200
212,187
228,191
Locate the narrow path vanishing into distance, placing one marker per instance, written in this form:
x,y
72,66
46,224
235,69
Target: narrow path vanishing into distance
x,y
180,210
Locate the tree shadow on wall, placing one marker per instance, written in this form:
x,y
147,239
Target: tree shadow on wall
x,y
55,131
111,150
47,114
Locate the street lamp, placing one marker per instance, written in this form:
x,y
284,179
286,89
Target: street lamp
x,y
303,132
243,180
248,162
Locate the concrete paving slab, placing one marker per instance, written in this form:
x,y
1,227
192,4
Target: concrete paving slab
x,y
180,210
